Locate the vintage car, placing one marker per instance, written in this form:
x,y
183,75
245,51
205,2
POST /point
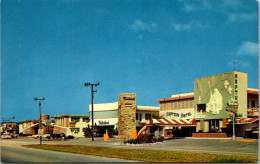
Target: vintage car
x,y
6,136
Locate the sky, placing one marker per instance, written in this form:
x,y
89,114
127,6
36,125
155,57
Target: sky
x,y
50,48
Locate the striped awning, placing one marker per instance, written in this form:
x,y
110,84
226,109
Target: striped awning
x,y
172,122
244,120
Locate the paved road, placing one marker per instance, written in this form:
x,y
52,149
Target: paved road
x,y
248,147
12,153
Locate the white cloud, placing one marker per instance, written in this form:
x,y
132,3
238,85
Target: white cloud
x,y
195,5
190,25
242,17
139,25
181,27
232,4
248,48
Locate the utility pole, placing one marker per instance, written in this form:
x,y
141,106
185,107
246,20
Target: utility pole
x,y
40,121
92,106
234,119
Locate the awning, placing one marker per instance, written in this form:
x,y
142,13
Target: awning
x,y
171,122
244,120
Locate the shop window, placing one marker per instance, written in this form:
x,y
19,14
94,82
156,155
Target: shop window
x,y
140,118
148,116
214,126
75,119
248,103
201,107
136,116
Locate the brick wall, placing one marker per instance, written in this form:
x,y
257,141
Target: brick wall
x,y
126,113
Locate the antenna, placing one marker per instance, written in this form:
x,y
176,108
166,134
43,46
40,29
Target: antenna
x,y
234,62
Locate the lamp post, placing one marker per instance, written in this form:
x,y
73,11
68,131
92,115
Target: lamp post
x,y
92,106
40,119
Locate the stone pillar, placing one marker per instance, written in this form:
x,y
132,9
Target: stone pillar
x,y
126,114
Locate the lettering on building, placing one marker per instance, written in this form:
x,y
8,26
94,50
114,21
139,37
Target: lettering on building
x,y
103,122
128,98
182,115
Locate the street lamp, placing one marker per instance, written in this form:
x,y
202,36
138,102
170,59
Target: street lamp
x,y
92,108
40,124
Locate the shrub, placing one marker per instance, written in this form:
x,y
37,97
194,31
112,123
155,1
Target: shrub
x,y
145,138
69,137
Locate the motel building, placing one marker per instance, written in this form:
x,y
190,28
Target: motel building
x,y
123,115
68,124
209,110
71,124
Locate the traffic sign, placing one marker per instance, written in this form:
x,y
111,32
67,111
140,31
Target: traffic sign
x,y
40,132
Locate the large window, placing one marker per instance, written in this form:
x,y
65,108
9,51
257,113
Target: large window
x,y
214,126
136,116
201,107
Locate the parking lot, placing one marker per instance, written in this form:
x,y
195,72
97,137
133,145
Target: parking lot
x,y
241,146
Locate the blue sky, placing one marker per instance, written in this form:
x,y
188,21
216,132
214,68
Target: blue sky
x,y
50,48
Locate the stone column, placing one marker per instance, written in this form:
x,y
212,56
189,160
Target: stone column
x,y
126,114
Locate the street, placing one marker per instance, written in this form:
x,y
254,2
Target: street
x,y
12,151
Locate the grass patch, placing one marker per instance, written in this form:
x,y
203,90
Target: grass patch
x,y
147,155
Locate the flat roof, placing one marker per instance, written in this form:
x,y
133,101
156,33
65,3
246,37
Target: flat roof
x,y
149,108
69,115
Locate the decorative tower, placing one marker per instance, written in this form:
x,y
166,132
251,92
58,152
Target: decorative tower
x,y
126,113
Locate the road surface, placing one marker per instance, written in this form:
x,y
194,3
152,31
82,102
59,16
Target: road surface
x,y
12,153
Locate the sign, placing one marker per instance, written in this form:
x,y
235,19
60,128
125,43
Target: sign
x,y
72,124
232,108
129,98
103,122
178,113
40,132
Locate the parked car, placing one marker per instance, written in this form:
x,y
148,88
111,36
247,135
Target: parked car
x,y
6,136
43,136
253,133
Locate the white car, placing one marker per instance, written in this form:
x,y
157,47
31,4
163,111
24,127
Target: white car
x,y
6,136
43,136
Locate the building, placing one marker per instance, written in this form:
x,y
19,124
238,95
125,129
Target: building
x,y
31,127
210,108
70,124
219,97
9,128
123,115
